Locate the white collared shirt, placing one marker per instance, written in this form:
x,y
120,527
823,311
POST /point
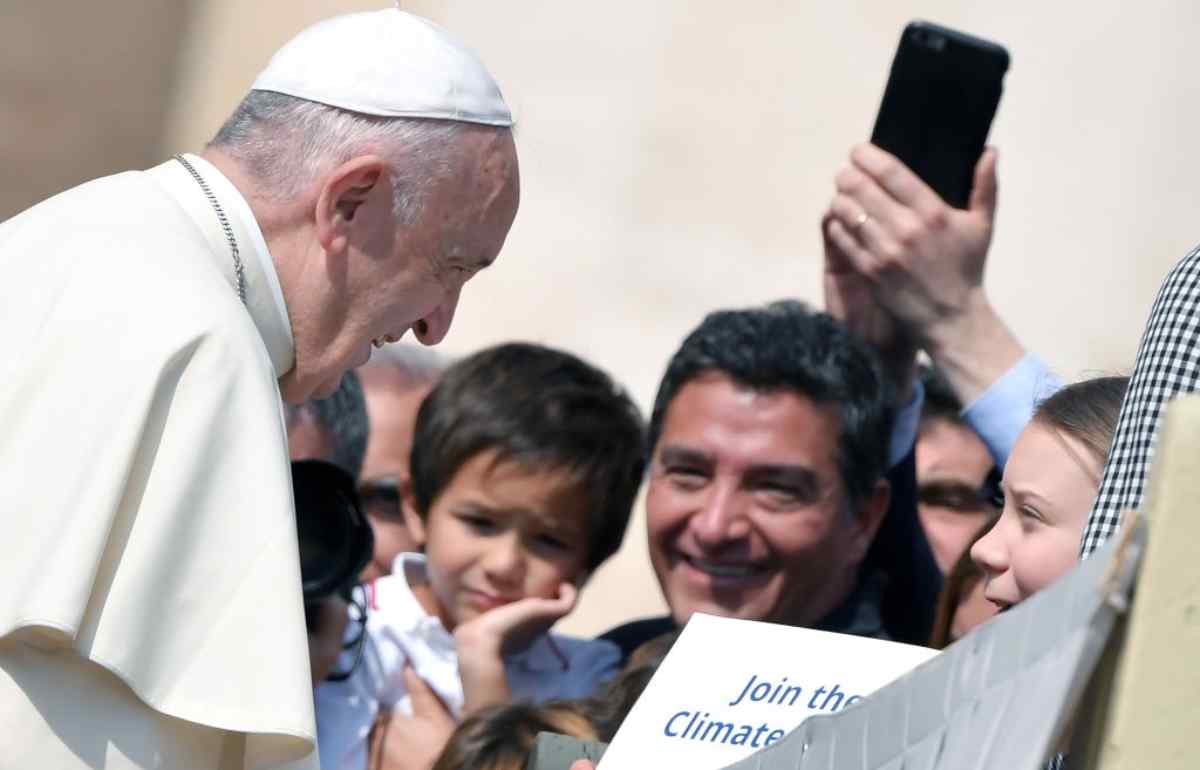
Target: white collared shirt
x,y
399,631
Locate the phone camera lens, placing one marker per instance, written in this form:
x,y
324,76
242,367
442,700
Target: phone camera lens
x,y
929,39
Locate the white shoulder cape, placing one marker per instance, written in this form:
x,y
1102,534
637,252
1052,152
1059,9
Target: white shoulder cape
x,y
149,531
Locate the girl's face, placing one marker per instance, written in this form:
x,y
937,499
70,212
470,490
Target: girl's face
x,y
1049,484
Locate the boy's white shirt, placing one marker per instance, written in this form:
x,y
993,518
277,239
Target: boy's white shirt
x,y
399,631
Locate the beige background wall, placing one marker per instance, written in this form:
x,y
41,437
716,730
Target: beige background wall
x,y
83,90
676,156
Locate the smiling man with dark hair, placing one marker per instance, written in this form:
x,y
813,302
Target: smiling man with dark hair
x,y
770,446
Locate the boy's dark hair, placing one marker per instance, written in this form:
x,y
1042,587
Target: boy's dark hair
x,y
544,409
609,706
786,346
501,737
1087,411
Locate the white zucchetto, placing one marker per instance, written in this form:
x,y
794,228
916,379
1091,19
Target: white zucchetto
x,y
388,63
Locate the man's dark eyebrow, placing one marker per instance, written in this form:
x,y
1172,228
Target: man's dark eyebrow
x,y
797,476
949,493
948,486
677,455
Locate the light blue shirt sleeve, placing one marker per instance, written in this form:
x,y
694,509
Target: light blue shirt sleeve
x,y
1002,411
557,667
904,430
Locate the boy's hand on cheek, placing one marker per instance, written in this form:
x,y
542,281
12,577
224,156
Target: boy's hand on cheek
x,y
511,626
482,642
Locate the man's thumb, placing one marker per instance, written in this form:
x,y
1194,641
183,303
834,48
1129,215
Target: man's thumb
x,y
983,190
424,699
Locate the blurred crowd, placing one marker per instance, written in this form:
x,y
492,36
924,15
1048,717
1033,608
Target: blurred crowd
x,y
895,465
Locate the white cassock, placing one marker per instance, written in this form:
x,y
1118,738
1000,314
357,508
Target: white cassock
x,y
151,611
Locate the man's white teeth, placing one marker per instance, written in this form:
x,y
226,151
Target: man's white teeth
x,y
722,570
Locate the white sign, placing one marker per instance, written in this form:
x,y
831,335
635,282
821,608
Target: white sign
x,y
731,687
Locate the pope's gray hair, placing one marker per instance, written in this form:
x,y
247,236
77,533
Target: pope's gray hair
x,y
286,142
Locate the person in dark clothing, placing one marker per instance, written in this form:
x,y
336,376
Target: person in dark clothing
x,y
769,493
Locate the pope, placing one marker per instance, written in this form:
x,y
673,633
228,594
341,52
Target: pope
x,y
152,614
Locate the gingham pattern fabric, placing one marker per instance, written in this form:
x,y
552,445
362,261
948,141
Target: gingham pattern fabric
x,y
1168,363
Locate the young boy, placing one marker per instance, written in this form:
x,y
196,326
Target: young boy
x,y
525,464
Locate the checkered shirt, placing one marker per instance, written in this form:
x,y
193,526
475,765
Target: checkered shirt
x,y
1168,363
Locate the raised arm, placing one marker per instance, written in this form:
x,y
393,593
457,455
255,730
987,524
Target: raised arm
x,y
924,262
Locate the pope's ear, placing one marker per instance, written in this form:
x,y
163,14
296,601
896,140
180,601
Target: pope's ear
x,y
412,520
340,199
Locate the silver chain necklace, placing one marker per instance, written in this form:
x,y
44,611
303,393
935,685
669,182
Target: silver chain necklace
x,y
233,247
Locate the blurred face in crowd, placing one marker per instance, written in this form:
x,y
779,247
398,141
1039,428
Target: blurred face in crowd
x,y
746,510
307,439
325,643
1049,484
972,610
499,532
952,467
392,403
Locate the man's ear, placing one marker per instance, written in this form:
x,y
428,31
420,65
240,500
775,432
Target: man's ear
x,y
412,519
343,192
869,517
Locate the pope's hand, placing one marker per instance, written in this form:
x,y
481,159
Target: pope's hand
x,y
401,742
482,641
582,764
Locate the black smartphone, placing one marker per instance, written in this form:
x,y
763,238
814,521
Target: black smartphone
x,y
940,99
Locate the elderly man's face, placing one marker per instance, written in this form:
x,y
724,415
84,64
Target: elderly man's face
x,y
390,278
392,403
746,508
